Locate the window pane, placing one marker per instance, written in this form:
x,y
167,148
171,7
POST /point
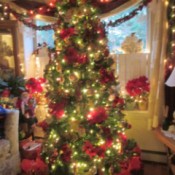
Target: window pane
x,y
41,35
137,25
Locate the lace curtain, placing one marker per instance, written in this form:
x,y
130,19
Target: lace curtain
x,y
158,35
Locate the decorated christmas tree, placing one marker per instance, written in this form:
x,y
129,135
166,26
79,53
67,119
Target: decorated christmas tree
x,y
86,133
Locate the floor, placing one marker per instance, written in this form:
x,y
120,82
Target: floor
x,y
155,169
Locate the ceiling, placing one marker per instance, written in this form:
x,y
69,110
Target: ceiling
x,y
34,4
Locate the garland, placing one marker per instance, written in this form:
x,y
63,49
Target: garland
x,y
130,15
23,18
32,25
170,60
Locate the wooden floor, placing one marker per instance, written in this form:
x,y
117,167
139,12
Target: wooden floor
x,y
155,169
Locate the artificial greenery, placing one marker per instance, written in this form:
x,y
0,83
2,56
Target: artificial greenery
x,y
87,131
16,85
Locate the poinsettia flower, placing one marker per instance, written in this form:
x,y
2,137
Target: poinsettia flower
x,y
67,152
135,163
66,33
138,86
106,76
35,85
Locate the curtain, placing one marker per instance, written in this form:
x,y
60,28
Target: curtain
x,y
158,35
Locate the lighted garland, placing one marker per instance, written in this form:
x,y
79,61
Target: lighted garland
x,y
171,29
170,60
30,24
24,18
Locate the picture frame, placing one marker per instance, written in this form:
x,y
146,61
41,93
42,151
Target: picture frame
x,y
9,62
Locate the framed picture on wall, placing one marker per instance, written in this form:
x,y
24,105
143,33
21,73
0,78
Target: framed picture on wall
x,y
9,63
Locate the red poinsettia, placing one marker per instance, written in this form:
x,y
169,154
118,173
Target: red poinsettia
x,y
37,166
67,152
5,93
98,115
57,109
72,56
89,149
35,85
100,151
134,163
106,76
118,102
66,33
92,150
138,86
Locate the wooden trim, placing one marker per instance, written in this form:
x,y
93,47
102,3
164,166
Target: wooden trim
x,y
170,143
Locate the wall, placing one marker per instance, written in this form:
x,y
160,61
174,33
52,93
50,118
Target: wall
x,y
152,149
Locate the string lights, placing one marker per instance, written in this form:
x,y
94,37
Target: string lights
x,y
44,10
170,60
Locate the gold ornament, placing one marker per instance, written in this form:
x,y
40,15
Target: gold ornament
x,y
42,100
72,78
90,92
111,97
59,68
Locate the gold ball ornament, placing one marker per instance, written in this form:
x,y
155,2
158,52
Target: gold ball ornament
x,y
59,68
69,14
111,97
42,100
61,80
73,78
90,92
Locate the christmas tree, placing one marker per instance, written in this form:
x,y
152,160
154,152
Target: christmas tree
x,y
86,133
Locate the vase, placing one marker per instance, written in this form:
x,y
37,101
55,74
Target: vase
x,y
143,105
130,105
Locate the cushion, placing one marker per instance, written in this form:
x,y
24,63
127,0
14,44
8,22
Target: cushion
x,y
4,149
3,114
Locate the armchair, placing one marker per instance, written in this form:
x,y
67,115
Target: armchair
x,y
9,147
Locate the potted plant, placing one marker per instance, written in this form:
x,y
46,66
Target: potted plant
x,y
139,88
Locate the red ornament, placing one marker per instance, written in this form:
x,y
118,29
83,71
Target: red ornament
x,y
98,115
106,76
57,110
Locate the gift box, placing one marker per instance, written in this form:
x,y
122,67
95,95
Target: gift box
x,y
3,114
30,149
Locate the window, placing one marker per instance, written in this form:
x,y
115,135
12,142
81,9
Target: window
x,y
137,25
41,35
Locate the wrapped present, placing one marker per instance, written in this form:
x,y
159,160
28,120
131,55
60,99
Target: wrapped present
x,y
30,149
3,114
